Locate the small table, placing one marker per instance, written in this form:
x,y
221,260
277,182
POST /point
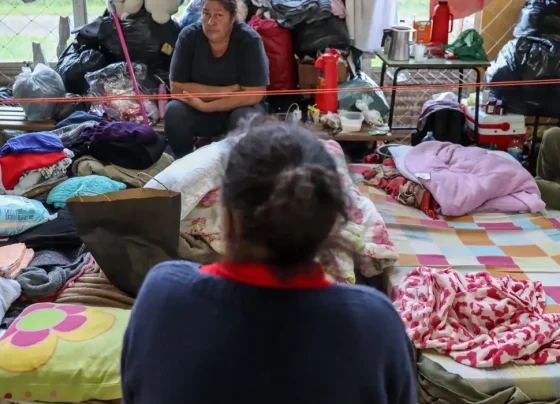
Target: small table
x,y
432,64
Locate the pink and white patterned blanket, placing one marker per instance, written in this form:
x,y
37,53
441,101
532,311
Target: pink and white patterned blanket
x,y
478,320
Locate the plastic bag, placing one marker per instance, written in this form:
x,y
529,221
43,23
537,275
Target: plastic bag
x,y
75,62
65,109
539,19
192,13
19,214
371,116
462,8
311,38
43,82
527,59
347,100
147,41
278,46
115,80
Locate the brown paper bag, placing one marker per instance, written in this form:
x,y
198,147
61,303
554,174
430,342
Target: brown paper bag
x,y
128,232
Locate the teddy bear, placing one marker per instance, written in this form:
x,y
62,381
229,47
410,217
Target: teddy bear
x,y
125,8
162,10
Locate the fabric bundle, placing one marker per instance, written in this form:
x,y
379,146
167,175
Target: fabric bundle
x,y
14,258
82,186
33,161
478,320
124,144
9,293
88,165
388,178
291,13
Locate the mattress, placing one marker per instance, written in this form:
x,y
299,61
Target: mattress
x,y
525,246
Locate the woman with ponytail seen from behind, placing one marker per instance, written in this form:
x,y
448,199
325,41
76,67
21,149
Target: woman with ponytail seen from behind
x,y
265,325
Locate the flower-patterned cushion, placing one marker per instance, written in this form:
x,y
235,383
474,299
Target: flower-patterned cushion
x,y
63,353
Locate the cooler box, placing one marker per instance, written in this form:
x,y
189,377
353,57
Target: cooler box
x,y
497,129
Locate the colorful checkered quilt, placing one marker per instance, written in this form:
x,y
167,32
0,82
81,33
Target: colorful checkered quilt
x,y
526,246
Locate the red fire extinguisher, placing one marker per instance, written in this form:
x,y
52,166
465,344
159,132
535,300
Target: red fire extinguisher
x,y
327,78
441,28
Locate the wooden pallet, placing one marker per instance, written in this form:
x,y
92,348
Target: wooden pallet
x,y
13,118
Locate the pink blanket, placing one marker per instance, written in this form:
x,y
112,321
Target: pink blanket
x,y
468,179
478,320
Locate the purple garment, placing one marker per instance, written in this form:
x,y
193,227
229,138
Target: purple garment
x,y
125,132
40,142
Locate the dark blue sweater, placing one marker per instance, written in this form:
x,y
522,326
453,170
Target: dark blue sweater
x,y
196,338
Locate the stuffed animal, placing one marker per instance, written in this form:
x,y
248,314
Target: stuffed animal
x,y
162,10
126,7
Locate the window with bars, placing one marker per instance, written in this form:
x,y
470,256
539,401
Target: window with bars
x,y
25,21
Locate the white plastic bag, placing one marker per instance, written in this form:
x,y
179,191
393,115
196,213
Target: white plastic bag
x,y
43,82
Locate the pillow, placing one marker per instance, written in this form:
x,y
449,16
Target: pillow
x,y
89,185
63,353
18,214
399,155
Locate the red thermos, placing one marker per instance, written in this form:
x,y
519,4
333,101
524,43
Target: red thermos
x,y
441,28
327,64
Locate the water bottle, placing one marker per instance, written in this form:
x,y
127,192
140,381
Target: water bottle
x,y
429,136
515,148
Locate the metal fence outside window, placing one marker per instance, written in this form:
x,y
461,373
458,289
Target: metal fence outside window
x,y
25,21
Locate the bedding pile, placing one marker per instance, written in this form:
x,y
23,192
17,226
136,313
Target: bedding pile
x,y
478,320
464,180
364,244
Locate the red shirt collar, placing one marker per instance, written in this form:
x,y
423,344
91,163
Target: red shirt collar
x,y
257,274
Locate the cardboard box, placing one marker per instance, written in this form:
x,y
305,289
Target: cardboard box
x,y
308,75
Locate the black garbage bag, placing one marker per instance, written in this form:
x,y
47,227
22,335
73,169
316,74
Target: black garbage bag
x,y
528,59
147,41
310,38
75,62
539,18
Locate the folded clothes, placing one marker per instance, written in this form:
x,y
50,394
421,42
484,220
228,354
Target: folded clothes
x,y
84,186
30,180
293,12
93,288
78,117
59,233
40,142
50,272
127,155
14,258
13,166
10,290
71,135
88,165
126,132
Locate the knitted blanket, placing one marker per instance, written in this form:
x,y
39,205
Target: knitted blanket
x,y
478,320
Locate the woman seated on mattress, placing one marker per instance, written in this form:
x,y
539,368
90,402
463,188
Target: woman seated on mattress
x,y
216,56
266,325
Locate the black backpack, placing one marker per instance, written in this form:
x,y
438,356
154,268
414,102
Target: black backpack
x,y
447,125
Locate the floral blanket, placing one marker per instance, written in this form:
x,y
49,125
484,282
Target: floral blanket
x,y
478,320
387,178
363,244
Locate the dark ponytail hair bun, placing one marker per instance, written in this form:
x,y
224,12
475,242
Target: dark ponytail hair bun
x,y
283,187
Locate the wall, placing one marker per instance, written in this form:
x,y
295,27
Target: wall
x,y
497,22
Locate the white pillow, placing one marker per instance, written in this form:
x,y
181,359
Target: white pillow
x,y
399,153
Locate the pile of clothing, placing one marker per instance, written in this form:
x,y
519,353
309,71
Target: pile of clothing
x,y
455,181
33,163
41,253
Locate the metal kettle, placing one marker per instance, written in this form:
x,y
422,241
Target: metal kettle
x,y
401,39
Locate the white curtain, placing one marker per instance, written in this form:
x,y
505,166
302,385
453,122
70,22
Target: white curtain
x,y
367,19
